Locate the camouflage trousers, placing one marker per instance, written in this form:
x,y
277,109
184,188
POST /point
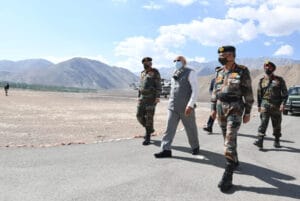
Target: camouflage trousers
x,y
229,119
145,114
267,112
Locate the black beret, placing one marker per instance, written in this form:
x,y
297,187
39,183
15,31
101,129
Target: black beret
x,y
146,59
269,63
226,49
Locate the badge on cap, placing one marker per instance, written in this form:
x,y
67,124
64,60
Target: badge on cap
x,y
221,49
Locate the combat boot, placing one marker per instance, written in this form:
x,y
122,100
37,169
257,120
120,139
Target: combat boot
x,y
277,143
208,129
148,136
236,164
259,142
226,182
147,139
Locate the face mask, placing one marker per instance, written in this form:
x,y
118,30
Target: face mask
x,y
223,61
268,71
178,65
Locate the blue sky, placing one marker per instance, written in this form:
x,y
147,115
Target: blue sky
x,y
121,32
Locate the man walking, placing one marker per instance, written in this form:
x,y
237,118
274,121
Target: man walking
x,y
148,97
271,97
6,88
182,103
232,100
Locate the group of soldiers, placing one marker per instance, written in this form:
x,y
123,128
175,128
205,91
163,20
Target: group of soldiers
x,y
231,103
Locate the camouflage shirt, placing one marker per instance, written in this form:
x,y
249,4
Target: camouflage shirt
x,y
150,84
233,85
271,90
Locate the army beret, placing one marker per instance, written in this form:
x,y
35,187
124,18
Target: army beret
x,y
226,49
146,59
271,64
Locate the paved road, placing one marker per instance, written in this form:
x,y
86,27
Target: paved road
x,y
127,171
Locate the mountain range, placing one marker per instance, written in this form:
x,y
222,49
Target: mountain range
x,y
76,72
86,73
208,68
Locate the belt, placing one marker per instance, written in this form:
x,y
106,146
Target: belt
x,y
225,97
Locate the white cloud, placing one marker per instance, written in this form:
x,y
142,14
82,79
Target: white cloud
x,y
248,31
152,6
272,18
244,21
267,43
135,48
241,2
204,3
167,45
284,50
182,2
212,31
171,36
288,3
198,59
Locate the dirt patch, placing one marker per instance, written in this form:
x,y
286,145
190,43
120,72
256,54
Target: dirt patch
x,y
34,119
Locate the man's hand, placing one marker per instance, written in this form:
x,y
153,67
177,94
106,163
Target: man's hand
x,y
213,114
281,108
157,100
188,111
246,118
259,109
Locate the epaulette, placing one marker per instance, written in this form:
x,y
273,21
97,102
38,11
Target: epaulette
x,y
155,70
242,67
219,69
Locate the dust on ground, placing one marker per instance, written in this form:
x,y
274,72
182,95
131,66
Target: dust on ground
x,y
37,119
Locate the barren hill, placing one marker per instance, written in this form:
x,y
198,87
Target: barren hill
x,y
76,72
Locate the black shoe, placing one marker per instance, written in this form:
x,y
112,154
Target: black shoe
x,y
196,151
259,142
164,154
226,182
236,164
147,140
208,129
276,144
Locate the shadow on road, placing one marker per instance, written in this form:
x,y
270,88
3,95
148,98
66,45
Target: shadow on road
x,y
282,149
273,178
265,138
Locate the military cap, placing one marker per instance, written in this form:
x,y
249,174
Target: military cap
x,y
271,64
226,49
146,59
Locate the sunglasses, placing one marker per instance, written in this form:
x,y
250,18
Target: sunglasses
x,y
177,60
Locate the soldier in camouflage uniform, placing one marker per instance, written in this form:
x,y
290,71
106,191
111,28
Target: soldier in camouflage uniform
x,y
149,94
232,100
271,97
